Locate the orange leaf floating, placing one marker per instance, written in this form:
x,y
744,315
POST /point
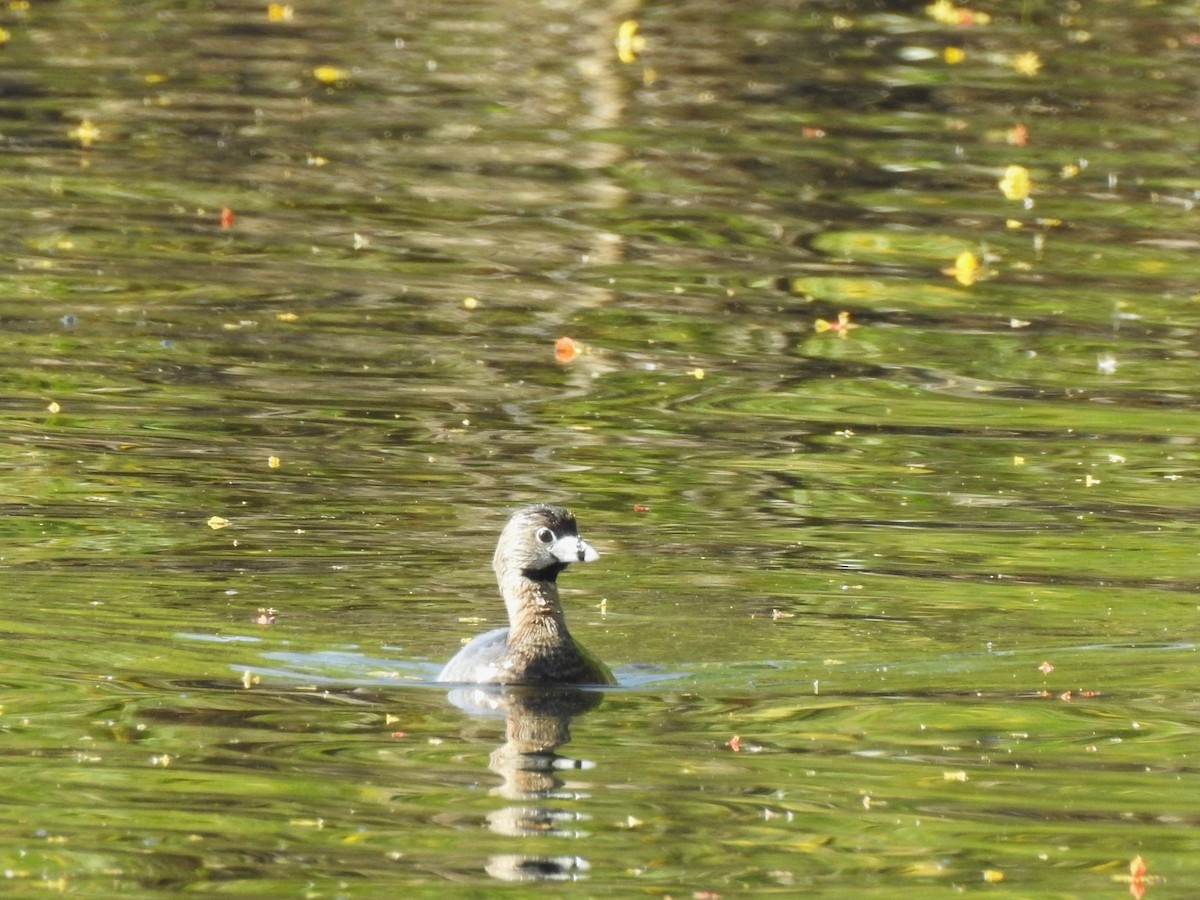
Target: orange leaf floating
x,y
1018,135
1046,668
841,327
1138,877
637,507
734,743
226,217
566,349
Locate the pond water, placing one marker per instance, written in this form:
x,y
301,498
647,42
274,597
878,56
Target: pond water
x,y
882,411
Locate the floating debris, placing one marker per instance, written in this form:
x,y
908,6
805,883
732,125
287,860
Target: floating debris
x,y
1016,184
330,74
841,327
86,133
1028,64
629,43
966,269
566,349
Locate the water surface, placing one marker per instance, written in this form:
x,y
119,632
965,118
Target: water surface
x,y
903,604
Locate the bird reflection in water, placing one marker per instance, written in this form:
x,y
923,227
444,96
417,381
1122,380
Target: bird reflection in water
x,y
536,723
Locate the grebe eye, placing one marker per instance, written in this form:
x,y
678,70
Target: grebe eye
x,y
545,535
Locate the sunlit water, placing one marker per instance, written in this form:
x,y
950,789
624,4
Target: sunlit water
x,y
904,602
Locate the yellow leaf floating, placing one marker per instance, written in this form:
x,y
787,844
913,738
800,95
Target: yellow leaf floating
x,y
629,42
966,269
925,869
86,133
216,523
953,55
330,74
946,13
1028,64
941,11
279,12
274,462
1015,185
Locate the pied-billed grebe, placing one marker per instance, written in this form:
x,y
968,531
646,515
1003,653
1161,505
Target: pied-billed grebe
x,y
537,543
